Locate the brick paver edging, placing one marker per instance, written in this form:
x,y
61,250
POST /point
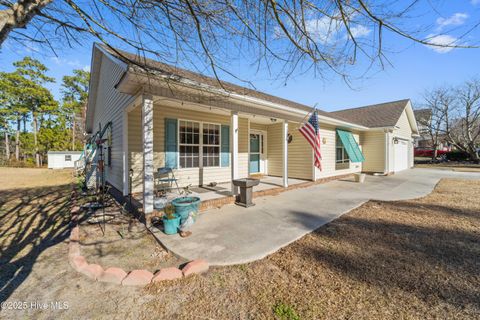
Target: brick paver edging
x,y
117,275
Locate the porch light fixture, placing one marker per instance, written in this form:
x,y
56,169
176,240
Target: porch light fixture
x,y
324,140
395,140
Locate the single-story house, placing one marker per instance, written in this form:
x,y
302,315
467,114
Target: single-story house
x,y
210,131
62,159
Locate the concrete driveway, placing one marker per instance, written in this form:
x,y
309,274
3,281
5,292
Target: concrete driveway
x,y
235,235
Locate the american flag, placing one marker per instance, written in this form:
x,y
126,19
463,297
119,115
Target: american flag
x,y
311,132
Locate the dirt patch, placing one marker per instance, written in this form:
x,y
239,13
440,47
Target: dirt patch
x,y
122,241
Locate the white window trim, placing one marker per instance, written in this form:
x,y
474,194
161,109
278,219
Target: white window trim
x,y
200,145
344,151
264,145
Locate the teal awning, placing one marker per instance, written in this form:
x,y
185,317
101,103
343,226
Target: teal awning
x,y
351,146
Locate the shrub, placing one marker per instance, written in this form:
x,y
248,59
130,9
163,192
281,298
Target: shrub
x,y
457,156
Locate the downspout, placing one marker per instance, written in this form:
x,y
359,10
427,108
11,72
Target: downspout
x,y
387,153
386,157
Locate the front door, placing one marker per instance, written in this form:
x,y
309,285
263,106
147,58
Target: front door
x,y
257,158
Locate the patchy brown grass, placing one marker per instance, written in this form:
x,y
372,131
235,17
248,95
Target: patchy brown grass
x,y
384,260
452,165
16,178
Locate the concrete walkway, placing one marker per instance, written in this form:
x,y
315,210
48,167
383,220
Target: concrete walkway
x,y
235,235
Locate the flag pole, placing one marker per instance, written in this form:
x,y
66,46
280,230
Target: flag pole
x,y
314,108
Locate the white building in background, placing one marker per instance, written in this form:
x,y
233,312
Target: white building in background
x,y
62,159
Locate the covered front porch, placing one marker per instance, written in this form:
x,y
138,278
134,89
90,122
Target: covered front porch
x,y
224,191
207,147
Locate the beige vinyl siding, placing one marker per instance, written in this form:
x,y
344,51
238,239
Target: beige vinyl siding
x,y
274,149
300,156
373,147
109,106
299,152
258,126
328,154
185,176
404,130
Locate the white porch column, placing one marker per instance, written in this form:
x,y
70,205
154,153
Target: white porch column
x,y
234,149
147,137
126,177
285,152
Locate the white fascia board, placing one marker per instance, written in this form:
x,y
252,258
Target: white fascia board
x,y
258,103
95,65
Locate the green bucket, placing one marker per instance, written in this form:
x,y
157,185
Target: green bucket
x,y
184,205
170,226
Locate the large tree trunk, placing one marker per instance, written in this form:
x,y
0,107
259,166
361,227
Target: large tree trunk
x,y
435,152
17,141
7,146
18,15
35,141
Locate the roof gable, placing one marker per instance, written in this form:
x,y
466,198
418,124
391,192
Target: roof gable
x,y
375,116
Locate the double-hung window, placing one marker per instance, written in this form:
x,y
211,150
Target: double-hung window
x,y
189,132
342,161
211,145
199,144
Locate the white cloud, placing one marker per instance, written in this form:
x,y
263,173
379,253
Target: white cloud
x,y
72,63
456,19
360,31
475,2
323,30
441,39
86,68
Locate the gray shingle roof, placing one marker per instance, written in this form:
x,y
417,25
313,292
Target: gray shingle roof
x,y
379,115
422,114
376,115
135,61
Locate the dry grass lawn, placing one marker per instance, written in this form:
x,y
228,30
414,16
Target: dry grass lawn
x,y
385,260
454,166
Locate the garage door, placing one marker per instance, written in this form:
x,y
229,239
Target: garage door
x,y
400,155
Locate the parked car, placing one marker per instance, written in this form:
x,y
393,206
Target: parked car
x,y
428,152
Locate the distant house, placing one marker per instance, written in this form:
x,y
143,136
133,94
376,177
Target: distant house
x,y
206,131
62,159
424,140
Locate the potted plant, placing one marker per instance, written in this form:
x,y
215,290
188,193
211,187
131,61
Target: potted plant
x,y
186,203
171,220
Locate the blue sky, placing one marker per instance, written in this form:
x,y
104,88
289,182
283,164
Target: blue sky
x,y
415,67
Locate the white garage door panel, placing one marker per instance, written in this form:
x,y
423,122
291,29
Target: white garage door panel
x,y
401,155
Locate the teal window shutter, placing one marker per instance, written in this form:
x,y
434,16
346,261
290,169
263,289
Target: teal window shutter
x,y
225,152
351,146
171,143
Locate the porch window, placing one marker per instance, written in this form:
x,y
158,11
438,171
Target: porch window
x,y
199,140
189,145
342,161
211,145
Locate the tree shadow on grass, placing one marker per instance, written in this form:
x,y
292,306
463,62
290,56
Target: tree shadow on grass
x,y
32,220
437,259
